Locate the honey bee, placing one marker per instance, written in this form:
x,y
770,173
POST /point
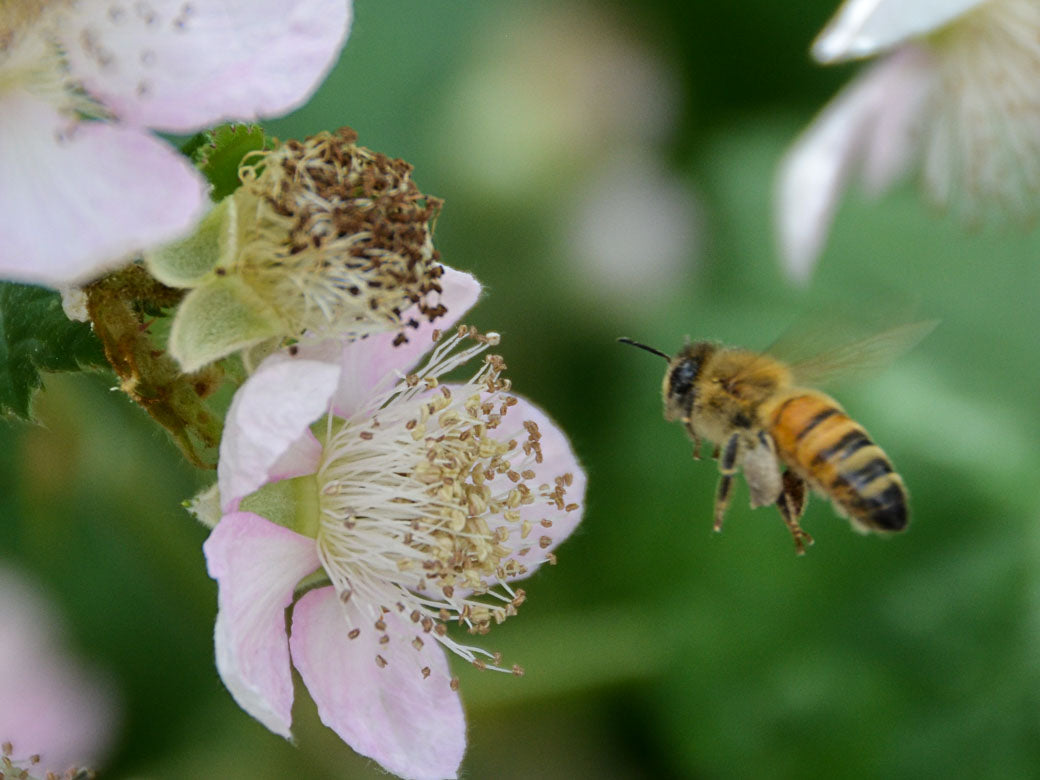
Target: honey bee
x,y
761,414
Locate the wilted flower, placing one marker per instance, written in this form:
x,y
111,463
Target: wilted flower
x,y
56,714
956,94
323,237
409,505
82,182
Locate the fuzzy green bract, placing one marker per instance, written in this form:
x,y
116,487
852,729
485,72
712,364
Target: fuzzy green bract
x,y
37,336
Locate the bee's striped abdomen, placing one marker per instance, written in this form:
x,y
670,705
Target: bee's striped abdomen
x,y
836,456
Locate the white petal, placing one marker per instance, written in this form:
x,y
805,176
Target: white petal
x,y
869,121
181,66
268,418
865,27
257,564
75,205
412,724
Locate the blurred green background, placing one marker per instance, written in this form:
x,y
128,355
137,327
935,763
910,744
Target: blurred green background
x,y
608,171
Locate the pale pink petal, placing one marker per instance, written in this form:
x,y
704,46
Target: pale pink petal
x,y
865,27
907,77
265,433
374,363
54,707
257,564
299,459
412,724
816,170
181,66
78,199
550,523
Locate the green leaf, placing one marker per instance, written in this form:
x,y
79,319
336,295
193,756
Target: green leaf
x,y
35,336
217,154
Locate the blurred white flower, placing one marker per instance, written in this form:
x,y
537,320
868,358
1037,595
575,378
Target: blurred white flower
x,y
633,229
82,181
956,95
56,714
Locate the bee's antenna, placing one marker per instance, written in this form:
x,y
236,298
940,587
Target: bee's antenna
x,y
626,340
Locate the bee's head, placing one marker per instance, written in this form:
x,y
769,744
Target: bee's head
x,y
679,388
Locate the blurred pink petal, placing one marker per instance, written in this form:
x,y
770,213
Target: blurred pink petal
x,y
79,198
633,229
257,565
375,695
868,127
87,194
865,27
53,707
179,66
268,417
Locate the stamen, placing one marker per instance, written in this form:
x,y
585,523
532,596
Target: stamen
x,y
981,152
419,494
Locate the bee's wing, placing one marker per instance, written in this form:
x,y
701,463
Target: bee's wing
x,y
816,364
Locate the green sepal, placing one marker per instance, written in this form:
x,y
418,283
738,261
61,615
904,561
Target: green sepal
x,y
219,318
36,335
185,262
217,153
291,503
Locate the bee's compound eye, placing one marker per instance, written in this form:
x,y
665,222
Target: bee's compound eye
x,y
683,376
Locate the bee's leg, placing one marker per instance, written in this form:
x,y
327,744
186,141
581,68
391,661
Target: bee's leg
x,y
693,435
791,502
727,467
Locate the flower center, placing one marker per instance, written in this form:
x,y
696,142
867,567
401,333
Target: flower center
x,y
420,500
337,237
31,59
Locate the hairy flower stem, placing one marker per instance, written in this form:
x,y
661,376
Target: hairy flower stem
x,y
120,307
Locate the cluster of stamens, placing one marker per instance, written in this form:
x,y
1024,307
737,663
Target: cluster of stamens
x,y
337,237
31,60
424,501
982,152
15,769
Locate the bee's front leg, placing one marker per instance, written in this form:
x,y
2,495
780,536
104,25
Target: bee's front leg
x,y
694,436
794,495
727,468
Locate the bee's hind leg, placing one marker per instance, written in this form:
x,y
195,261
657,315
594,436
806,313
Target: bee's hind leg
x,y
730,456
794,495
